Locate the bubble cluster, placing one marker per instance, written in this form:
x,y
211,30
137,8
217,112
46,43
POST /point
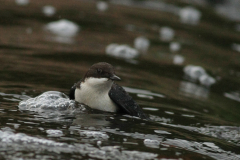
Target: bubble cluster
x,y
51,100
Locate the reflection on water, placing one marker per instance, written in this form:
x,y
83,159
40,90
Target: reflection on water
x,y
194,116
88,120
143,92
60,39
233,95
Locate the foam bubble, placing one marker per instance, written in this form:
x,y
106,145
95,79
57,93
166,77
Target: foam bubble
x,y
194,72
10,137
54,133
21,142
174,46
150,109
166,33
49,10
197,73
190,15
102,6
51,100
94,134
22,2
141,44
121,51
151,143
63,27
143,92
206,80
233,95
236,47
178,59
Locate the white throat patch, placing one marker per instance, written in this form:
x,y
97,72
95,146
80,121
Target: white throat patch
x,y
101,84
94,93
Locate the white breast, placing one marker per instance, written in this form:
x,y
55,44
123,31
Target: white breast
x,y
94,93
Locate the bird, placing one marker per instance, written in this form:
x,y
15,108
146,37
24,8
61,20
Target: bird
x,y
98,90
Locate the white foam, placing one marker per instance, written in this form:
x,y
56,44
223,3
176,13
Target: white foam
x,y
194,72
236,47
166,33
110,48
50,103
150,109
206,80
211,145
49,10
233,95
143,92
102,6
190,15
54,133
21,143
168,112
63,27
151,143
121,51
145,96
178,59
204,148
193,90
22,2
197,73
94,134
162,132
187,115
174,46
9,137
229,9
141,44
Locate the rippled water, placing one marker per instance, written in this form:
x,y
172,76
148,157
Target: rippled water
x,y
192,118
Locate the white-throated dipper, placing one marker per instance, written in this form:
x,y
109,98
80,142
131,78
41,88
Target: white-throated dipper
x,y
98,90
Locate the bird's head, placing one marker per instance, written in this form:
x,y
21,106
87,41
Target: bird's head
x,y
101,72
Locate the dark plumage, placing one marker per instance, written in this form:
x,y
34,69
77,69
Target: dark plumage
x,y
125,102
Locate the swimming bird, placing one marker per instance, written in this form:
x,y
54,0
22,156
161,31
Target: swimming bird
x,y
98,90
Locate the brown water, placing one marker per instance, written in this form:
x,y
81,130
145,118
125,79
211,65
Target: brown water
x,y
190,121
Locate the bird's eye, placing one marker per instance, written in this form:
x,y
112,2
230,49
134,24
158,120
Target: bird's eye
x,y
99,71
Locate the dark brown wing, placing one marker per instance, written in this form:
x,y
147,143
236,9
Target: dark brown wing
x,y
125,102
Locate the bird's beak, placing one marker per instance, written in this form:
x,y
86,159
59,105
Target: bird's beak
x,y
115,78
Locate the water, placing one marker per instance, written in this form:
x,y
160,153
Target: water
x,y
190,120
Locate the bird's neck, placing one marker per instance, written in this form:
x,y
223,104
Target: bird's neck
x,y
98,84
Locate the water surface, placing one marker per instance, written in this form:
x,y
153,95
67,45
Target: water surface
x,y
190,121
